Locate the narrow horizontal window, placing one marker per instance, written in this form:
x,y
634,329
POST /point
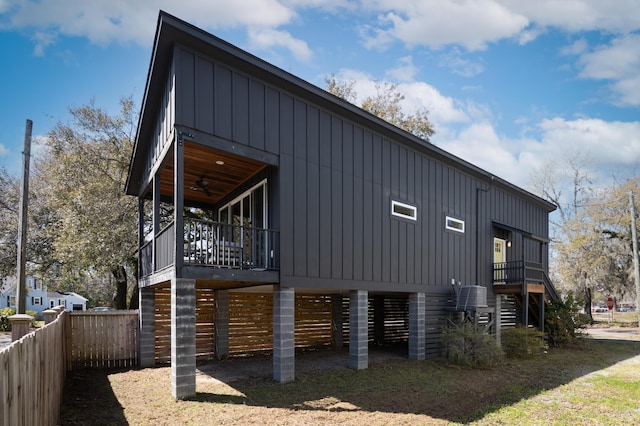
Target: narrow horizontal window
x,y
403,210
454,224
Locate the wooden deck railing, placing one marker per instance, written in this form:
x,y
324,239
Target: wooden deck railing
x,y
213,244
516,272
522,272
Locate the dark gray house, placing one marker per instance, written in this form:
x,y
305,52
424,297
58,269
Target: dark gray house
x,y
275,216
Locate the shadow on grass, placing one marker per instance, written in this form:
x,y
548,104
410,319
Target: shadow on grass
x,y
433,388
89,400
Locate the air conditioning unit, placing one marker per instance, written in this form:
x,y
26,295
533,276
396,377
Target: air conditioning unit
x,y
471,297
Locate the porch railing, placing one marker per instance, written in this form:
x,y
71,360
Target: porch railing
x,y
517,272
213,244
522,272
229,246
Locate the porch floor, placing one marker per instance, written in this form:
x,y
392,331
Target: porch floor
x,y
517,288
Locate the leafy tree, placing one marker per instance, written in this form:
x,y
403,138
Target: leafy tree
x,y
9,200
386,104
41,217
84,173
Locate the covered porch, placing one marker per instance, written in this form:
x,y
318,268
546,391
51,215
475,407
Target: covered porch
x,y
208,220
208,214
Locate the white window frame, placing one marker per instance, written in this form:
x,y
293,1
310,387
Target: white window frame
x,y
413,209
37,300
449,219
239,198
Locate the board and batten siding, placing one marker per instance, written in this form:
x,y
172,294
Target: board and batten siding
x,y
336,181
163,133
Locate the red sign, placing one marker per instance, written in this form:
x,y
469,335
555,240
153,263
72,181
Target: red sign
x,y
610,303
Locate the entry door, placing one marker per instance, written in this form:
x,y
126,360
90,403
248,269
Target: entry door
x,y
499,260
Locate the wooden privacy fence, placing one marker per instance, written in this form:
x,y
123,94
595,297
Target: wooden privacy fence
x,y
32,373
33,369
103,339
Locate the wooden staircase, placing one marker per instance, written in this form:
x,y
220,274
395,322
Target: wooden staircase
x,y
529,285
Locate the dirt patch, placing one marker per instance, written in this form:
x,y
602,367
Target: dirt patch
x,y
606,332
261,366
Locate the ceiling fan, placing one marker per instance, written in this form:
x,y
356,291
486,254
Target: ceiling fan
x,y
203,184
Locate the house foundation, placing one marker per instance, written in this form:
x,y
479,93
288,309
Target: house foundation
x,y
183,337
146,338
358,329
283,335
417,336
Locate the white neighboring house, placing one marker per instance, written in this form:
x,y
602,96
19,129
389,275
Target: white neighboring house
x,y
38,298
70,300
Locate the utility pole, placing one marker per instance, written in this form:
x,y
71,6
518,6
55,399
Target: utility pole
x,y
636,263
22,224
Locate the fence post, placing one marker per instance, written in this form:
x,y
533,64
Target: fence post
x,y
19,325
49,315
68,337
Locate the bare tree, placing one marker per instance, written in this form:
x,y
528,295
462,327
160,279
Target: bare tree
x,y
591,238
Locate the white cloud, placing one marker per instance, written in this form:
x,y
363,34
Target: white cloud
x,y
610,144
106,21
616,60
404,71
578,47
460,66
442,110
42,40
480,145
617,16
4,151
267,38
612,148
437,23
473,24
619,62
329,5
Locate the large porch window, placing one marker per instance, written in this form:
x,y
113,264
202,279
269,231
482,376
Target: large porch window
x,y
247,236
249,209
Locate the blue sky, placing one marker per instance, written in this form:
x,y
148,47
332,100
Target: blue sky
x,y
509,84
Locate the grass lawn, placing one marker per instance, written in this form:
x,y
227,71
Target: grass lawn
x,y
593,382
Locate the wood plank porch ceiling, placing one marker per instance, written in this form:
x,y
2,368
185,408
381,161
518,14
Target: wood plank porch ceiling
x,y
201,162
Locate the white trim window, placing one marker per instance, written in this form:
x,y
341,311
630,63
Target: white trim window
x,y
405,211
453,224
